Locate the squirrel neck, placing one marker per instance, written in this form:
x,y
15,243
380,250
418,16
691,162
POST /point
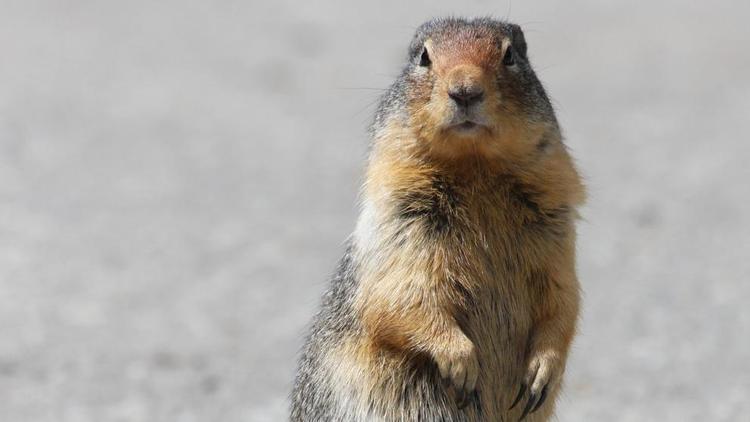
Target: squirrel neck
x,y
400,163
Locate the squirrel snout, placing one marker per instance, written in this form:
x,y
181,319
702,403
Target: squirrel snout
x,y
464,86
466,96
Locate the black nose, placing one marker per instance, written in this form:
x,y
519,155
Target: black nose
x,y
466,97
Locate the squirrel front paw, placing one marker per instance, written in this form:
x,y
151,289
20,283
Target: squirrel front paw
x,y
458,364
542,376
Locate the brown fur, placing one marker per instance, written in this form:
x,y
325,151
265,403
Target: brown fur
x,y
419,297
465,250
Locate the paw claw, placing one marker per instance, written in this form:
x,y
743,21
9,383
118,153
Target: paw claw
x,y
461,399
542,398
521,391
529,404
543,374
460,370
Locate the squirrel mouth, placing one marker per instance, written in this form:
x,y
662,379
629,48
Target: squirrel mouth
x,y
466,126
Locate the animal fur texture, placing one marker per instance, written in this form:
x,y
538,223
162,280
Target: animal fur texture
x,y
457,298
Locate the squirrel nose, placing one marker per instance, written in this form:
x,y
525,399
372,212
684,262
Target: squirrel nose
x,y
466,96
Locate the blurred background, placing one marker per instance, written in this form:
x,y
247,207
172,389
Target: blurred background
x,y
177,179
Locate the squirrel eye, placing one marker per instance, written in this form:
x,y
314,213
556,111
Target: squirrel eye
x,y
424,59
510,58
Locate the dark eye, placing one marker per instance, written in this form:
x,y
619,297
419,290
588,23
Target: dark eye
x,y
424,59
510,57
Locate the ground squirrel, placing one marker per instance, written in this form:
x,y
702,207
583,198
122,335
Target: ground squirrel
x,y
457,298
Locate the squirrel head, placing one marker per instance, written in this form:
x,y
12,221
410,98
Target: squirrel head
x,y
468,89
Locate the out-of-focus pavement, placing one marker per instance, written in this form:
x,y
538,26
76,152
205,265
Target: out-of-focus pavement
x,y
177,179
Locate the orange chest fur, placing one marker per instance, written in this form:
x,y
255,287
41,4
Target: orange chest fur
x,y
501,215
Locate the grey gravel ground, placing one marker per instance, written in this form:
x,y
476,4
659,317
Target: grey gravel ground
x,y
177,179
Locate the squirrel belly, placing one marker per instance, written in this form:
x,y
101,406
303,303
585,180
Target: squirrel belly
x,y
457,297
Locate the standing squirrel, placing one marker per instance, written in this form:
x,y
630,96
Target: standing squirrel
x,y
457,297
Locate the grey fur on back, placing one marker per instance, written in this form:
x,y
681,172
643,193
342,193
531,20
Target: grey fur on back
x,y
311,396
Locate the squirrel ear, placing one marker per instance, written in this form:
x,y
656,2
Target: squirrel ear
x,y
424,58
518,40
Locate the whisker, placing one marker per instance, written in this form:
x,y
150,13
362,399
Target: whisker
x,y
362,89
367,106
